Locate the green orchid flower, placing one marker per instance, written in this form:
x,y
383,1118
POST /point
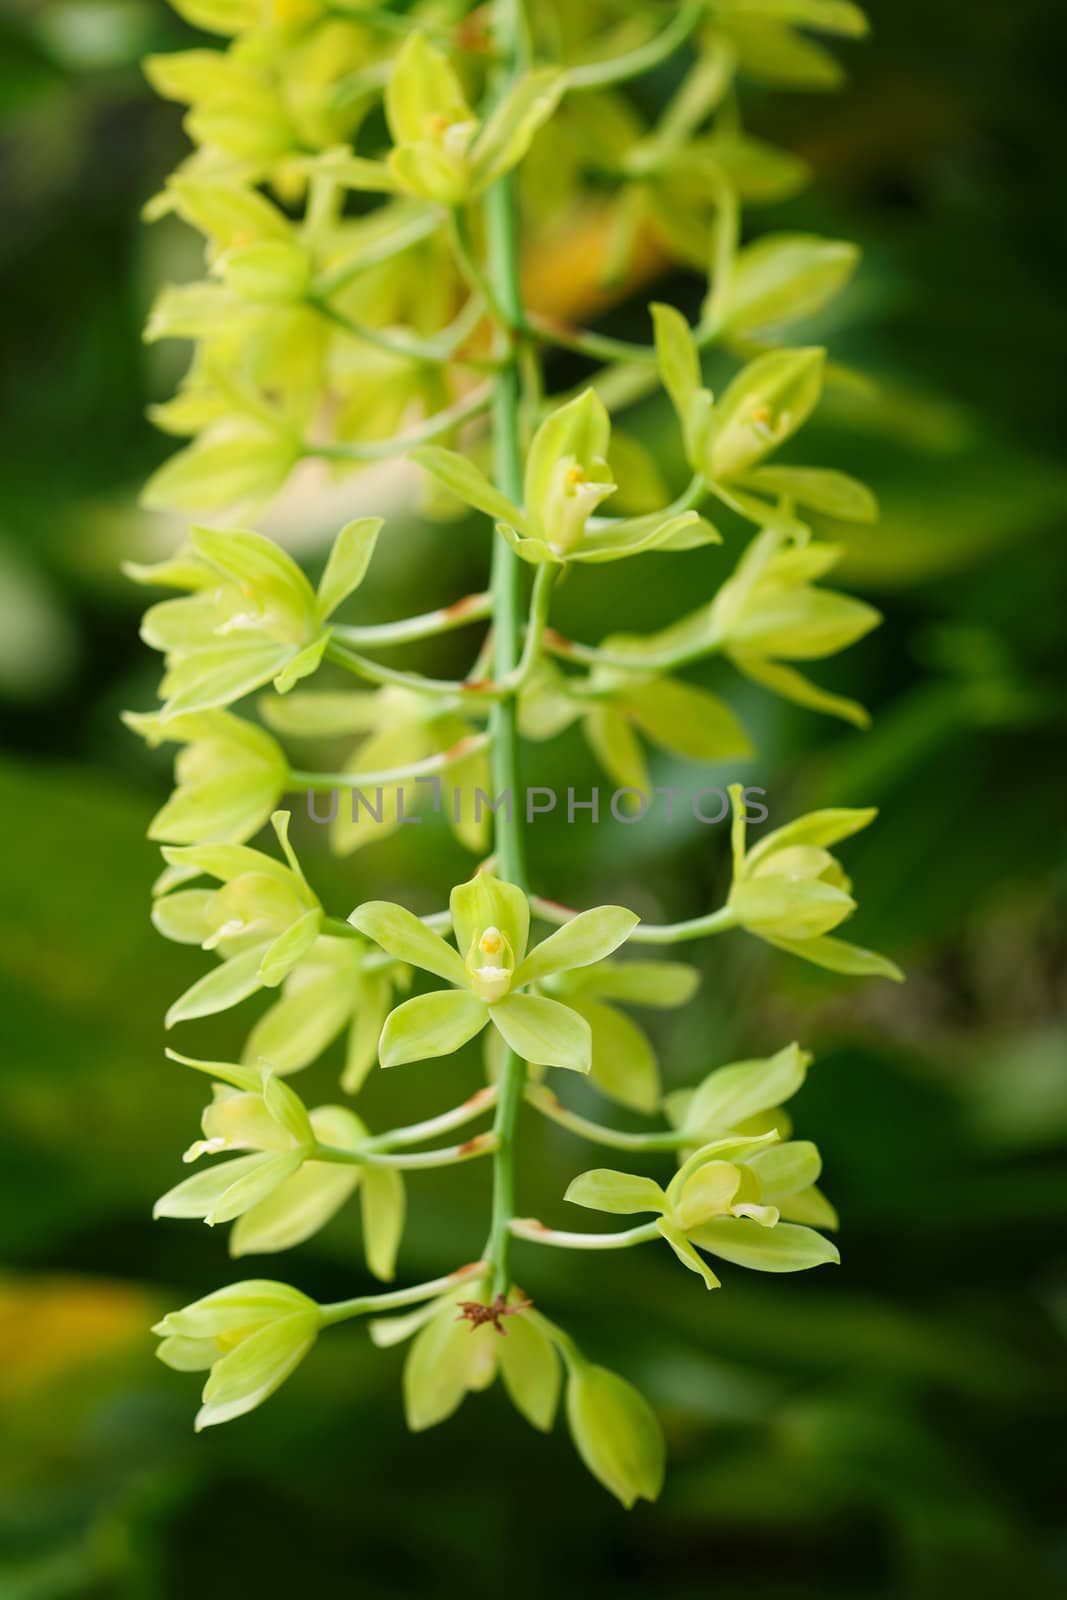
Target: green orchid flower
x,y
442,151
489,971
263,920
279,1195
252,617
567,476
251,1336
791,892
723,1199
229,776
747,1098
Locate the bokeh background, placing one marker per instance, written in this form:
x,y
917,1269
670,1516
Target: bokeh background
x,y
894,1428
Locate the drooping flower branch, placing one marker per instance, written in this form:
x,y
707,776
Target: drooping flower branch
x,y
364,300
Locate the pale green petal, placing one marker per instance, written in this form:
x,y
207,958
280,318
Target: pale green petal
x,y
383,1204
686,1254
531,1370
620,1193
616,1433
543,1032
838,956
220,989
624,1062
401,934
348,562
584,940
785,1248
260,1364
431,1025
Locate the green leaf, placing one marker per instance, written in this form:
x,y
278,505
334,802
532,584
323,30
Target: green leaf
x,y
260,1364
785,1248
616,1433
431,1025
587,938
531,1371
620,1193
348,562
400,933
543,1032
782,277
764,405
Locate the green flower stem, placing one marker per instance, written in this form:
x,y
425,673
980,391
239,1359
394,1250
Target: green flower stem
x,y
545,1101
599,74
384,449
439,351
472,694
646,932
535,1232
426,768
412,230
482,1144
416,1132
598,346
409,630
394,1299
509,30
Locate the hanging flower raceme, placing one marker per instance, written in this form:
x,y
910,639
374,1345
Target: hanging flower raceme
x,y
442,150
280,1194
262,921
490,969
229,776
791,892
251,1336
567,476
252,617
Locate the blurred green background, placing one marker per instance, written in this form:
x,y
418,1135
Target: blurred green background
x,y
894,1428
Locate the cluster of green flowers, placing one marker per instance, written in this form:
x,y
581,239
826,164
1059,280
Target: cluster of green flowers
x,y
359,175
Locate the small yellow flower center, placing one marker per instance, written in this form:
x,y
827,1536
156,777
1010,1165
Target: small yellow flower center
x,y
575,476
491,942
